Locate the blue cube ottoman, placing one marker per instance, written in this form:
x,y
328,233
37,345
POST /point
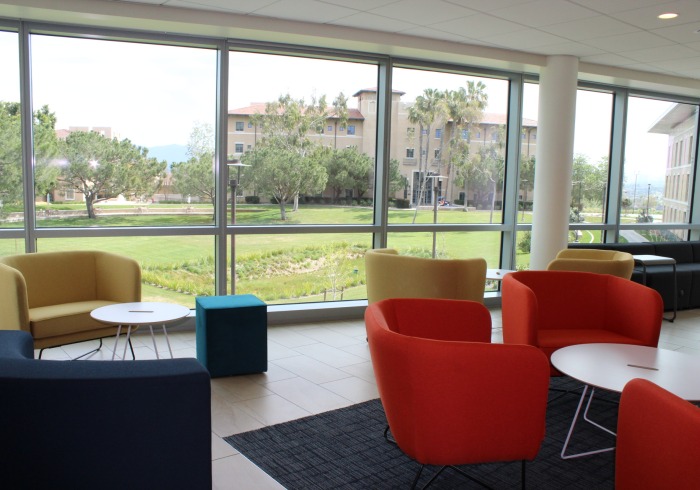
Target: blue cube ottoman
x,y
231,334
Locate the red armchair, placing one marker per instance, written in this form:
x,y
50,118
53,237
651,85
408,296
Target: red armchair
x,y
555,309
450,396
658,439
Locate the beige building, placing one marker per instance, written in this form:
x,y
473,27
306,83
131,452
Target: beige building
x,y
679,124
243,135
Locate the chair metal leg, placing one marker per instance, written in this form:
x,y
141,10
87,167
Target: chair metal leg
x,y
41,351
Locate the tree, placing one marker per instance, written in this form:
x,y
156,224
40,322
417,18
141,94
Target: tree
x,y
340,110
45,148
102,168
195,177
426,109
286,162
284,173
464,110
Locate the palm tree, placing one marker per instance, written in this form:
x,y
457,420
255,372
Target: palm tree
x,y
465,109
426,109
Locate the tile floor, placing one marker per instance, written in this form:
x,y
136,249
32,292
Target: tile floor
x,y
313,368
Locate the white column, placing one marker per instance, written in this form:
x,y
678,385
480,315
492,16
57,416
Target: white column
x,y
554,159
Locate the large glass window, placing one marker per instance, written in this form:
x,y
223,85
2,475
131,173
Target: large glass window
x,y
659,168
125,133
11,215
589,186
433,111
312,139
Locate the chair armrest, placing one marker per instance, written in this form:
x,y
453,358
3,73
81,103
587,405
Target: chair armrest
x,y
13,299
519,312
118,278
634,310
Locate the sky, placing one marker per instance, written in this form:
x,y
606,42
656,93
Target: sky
x,y
155,95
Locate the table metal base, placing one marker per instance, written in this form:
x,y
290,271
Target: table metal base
x,y
585,417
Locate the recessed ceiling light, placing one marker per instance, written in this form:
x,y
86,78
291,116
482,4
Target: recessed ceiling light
x,y
668,15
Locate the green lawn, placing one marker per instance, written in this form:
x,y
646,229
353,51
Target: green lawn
x,y
278,268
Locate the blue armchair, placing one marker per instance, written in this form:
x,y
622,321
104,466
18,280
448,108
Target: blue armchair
x,y
102,424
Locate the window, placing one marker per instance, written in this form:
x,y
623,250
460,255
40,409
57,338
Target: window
x,y
410,132
465,134
438,133
436,154
250,124
330,128
351,129
657,165
239,126
239,148
11,195
410,152
115,128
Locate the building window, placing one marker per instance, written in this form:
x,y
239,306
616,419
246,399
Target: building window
x,y
69,194
410,132
330,129
437,153
465,134
351,129
239,148
250,124
239,125
438,133
410,152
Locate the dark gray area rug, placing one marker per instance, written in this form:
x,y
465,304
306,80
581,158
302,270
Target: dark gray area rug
x,y
345,449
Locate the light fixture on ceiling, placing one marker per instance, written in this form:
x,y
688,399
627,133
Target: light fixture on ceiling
x,y
668,15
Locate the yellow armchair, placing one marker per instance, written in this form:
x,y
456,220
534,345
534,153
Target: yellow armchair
x,y
51,294
620,264
390,275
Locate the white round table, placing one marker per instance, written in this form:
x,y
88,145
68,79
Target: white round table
x,y
140,313
611,366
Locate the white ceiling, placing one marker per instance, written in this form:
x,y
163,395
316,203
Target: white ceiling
x,y
619,33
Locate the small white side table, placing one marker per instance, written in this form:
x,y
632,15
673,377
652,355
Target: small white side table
x,y
611,366
497,274
140,313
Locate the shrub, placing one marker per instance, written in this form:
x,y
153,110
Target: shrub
x,y
403,203
252,199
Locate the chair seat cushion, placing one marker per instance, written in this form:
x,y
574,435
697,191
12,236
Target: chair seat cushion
x,y
553,339
68,318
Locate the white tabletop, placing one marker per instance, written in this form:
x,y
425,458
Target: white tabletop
x,y
611,366
141,313
654,260
497,274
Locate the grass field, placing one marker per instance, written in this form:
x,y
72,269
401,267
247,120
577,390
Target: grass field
x,y
278,268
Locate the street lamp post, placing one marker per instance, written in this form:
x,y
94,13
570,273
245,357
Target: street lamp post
x,y
436,183
234,183
524,183
634,196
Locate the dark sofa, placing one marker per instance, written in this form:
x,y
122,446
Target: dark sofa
x,y
660,277
102,424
